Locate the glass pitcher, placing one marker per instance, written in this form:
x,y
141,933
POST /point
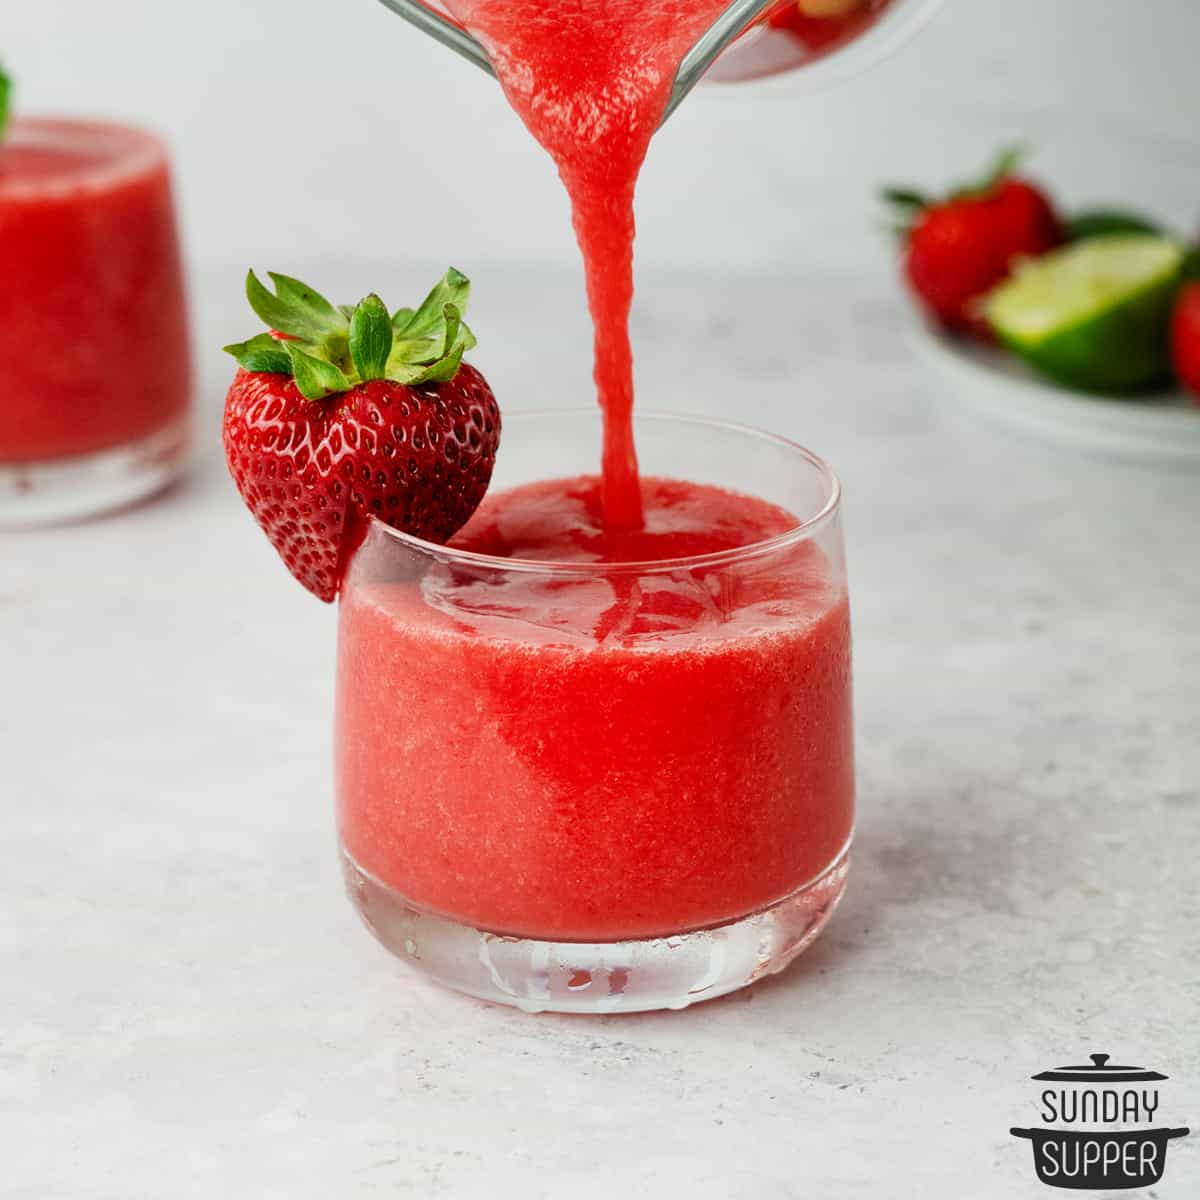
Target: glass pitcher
x,y
751,38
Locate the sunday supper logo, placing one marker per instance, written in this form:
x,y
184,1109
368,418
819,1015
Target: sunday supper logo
x,y
1100,1128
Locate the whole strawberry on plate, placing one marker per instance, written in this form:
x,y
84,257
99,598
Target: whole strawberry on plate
x,y
959,247
339,414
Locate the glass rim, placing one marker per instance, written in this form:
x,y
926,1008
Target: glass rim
x,y
804,530
114,154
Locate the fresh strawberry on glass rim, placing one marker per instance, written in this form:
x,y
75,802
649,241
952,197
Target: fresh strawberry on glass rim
x,y
339,414
958,248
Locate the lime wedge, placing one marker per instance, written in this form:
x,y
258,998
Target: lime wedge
x,y
1094,315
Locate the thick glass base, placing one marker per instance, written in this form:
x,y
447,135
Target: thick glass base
x,y
598,977
64,489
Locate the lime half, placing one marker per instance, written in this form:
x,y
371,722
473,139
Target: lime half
x,y
1094,315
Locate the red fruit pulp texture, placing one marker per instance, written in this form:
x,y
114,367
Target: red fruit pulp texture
x,y
591,82
93,326
604,755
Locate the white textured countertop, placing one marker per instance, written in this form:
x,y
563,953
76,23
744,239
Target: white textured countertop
x,y
189,1009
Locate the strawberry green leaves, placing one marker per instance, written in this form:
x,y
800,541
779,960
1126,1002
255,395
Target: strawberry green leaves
x,y
5,96
370,338
1002,166
329,349
903,206
431,340
432,359
453,288
428,343
315,378
261,353
295,309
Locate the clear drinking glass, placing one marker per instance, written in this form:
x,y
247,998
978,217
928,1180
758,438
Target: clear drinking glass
x,y
93,320
750,39
830,39
599,787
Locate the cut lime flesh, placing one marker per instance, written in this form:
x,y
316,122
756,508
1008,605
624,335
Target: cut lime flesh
x,y
1094,315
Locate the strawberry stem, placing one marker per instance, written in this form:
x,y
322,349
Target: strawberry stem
x,y
370,338
1003,164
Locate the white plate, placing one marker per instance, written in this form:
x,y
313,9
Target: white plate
x,y
1161,428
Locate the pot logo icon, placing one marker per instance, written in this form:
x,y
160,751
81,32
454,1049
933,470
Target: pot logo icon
x,y
1100,1127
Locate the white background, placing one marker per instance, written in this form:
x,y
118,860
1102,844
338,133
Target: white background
x,y
305,128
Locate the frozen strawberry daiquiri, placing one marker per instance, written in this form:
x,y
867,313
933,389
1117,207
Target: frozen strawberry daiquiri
x,y
593,731
579,770
93,329
579,767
